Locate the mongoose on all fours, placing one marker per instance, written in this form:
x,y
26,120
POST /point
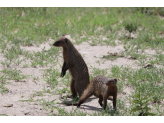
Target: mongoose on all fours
x,y
76,65
101,87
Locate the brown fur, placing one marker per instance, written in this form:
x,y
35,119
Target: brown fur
x,y
77,67
101,87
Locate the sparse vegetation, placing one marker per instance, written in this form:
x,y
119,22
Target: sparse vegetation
x,y
23,28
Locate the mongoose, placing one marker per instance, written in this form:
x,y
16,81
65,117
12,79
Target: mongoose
x,y
76,65
101,87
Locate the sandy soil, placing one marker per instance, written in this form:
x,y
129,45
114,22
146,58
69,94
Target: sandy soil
x,y
11,105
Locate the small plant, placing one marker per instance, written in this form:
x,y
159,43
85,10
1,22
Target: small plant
x,y
22,96
61,91
51,77
92,43
141,62
14,74
140,103
3,47
77,112
3,115
98,61
62,112
9,56
147,10
112,56
3,89
160,11
33,64
127,47
116,71
25,65
35,78
18,61
6,63
130,26
39,93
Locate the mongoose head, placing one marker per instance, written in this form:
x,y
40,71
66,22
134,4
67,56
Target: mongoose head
x,y
61,42
111,82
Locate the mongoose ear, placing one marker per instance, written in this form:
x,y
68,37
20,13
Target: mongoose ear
x,y
115,79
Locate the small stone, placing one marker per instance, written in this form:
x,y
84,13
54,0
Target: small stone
x,y
148,66
130,57
7,105
26,113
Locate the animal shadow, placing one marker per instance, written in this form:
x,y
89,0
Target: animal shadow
x,y
92,108
108,111
73,100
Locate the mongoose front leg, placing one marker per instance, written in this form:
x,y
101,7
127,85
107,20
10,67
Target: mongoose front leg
x,y
73,91
105,103
64,69
114,102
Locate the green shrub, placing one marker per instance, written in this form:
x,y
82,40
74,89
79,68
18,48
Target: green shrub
x,y
130,26
140,103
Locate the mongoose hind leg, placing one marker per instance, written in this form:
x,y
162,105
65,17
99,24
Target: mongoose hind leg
x,y
100,101
114,101
73,90
104,102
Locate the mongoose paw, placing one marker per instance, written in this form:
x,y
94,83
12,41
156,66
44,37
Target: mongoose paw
x,y
71,104
78,105
62,74
68,104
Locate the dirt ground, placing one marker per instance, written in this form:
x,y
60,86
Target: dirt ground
x,y
11,105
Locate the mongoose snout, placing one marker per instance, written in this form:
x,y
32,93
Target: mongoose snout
x,y
61,42
57,44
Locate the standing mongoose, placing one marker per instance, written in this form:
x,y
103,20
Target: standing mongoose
x,y
101,87
76,65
